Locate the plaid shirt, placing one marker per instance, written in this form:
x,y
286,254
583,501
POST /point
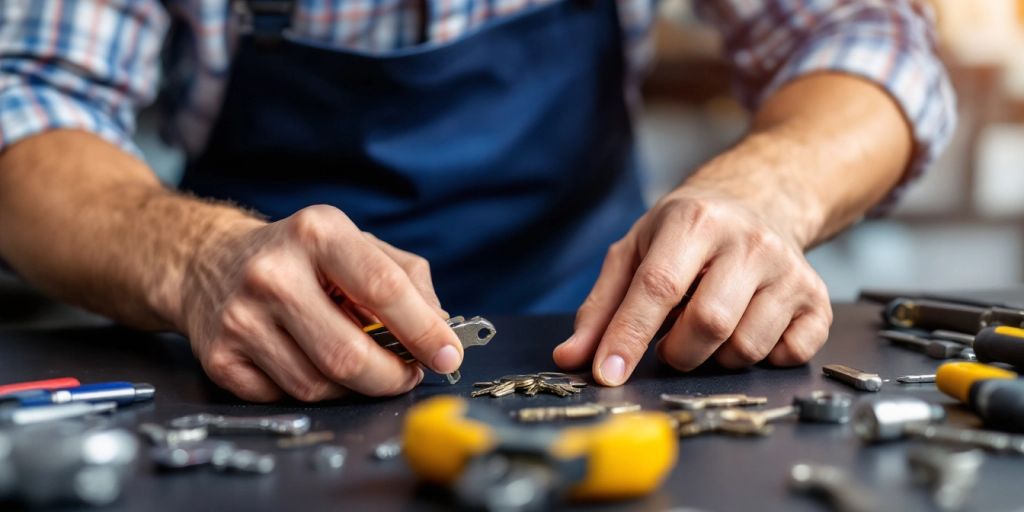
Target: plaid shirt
x,y
91,64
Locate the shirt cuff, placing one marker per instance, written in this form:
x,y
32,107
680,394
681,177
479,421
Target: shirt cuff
x,y
27,110
914,78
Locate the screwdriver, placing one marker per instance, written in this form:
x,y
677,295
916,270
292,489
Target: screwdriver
x,y
995,394
493,463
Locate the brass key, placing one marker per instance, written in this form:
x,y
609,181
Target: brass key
x,y
694,402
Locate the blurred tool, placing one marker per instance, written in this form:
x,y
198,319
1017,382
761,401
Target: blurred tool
x,y
996,442
494,464
885,419
284,424
1000,344
950,474
58,383
307,439
883,297
243,461
935,349
694,402
824,407
996,395
555,383
14,414
587,410
475,332
734,421
388,450
939,315
65,463
187,455
834,485
853,377
966,340
123,393
329,458
916,379
161,436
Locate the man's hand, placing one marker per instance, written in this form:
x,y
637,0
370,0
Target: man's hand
x,y
261,320
757,296
822,150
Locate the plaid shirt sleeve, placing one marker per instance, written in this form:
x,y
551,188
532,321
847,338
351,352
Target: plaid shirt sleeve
x,y
889,42
83,64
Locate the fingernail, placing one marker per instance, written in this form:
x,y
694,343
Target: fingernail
x,y
419,376
613,370
446,360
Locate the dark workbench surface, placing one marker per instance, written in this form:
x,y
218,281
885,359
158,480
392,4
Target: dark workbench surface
x,y
714,473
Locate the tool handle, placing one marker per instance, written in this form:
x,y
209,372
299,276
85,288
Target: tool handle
x,y
1000,403
932,314
1001,344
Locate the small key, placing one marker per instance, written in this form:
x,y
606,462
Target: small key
x,y
951,475
285,424
243,461
171,437
694,402
475,332
186,456
834,485
916,379
588,410
935,349
988,440
748,422
694,423
853,377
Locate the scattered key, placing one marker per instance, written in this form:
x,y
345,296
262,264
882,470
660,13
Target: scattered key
x,y
951,475
286,424
555,383
695,402
853,377
588,410
730,420
834,485
307,439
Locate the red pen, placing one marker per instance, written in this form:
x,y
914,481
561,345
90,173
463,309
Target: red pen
x,y
58,383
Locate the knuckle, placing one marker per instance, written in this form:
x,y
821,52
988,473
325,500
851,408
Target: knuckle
x,y
630,335
694,212
383,284
711,321
419,267
237,320
345,362
746,349
261,275
763,242
310,225
310,390
660,283
221,365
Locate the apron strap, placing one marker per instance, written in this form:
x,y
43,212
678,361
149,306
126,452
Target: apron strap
x,y
265,20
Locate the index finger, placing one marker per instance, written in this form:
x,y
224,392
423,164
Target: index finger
x,y
659,284
371,279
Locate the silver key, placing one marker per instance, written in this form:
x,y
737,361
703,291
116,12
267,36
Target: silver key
x,y
853,377
694,402
951,475
988,440
588,410
285,424
172,437
833,484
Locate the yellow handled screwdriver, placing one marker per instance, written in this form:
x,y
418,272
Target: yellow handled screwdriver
x,y
995,394
493,463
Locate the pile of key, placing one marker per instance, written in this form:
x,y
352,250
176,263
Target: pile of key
x,y
555,383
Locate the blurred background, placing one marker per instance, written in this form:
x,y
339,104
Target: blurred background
x,y
960,226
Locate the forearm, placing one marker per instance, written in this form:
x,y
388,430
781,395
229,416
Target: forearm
x,y
91,225
822,151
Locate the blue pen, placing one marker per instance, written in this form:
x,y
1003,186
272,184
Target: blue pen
x,y
123,393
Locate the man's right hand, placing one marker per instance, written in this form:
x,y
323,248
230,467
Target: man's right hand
x,y
257,306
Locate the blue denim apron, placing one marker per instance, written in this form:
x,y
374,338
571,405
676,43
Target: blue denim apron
x,y
505,158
